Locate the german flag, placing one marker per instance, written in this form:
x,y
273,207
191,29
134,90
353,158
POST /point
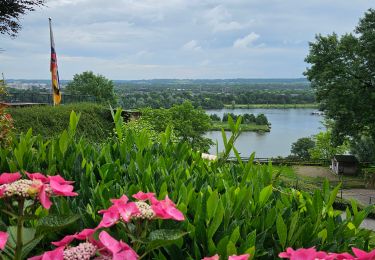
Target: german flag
x,y
54,70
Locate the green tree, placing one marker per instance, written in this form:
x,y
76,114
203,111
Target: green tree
x,y
12,10
343,74
87,83
261,119
301,148
191,124
363,148
324,149
215,117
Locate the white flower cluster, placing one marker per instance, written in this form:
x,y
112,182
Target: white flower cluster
x,y
145,210
83,251
209,157
22,188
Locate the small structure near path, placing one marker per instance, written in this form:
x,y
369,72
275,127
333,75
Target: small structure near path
x,y
345,165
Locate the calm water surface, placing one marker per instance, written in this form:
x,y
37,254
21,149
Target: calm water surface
x,y
287,125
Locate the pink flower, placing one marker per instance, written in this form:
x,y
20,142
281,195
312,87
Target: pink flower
x,y
44,197
62,189
144,196
110,217
3,239
166,209
214,257
117,249
239,257
65,241
362,255
37,176
303,254
6,178
57,254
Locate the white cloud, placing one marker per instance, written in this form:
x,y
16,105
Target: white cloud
x,y
220,19
246,41
192,46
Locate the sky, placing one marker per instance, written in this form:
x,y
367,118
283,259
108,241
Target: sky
x,y
185,39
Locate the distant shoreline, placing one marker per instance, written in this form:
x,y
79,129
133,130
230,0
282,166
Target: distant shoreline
x,y
217,126
270,106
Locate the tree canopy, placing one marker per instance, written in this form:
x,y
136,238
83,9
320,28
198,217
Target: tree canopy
x,y
87,83
301,148
342,72
12,10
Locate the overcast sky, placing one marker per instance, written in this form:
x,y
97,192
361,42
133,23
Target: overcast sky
x,y
145,39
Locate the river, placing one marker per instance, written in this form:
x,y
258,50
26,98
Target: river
x,y
287,125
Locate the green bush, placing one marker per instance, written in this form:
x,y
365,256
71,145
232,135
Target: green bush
x,y
230,208
95,123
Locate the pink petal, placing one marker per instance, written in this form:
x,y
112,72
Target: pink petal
x,y
65,241
126,254
121,201
85,234
214,257
127,211
6,178
3,239
57,254
166,209
62,189
109,242
239,257
144,196
37,176
2,190
44,198
59,179
110,218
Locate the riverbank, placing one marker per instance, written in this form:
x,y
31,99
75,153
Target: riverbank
x,y
217,126
277,106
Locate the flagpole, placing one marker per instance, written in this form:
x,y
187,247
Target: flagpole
x,y
50,40
54,69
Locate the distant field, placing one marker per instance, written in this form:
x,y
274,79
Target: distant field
x,y
217,126
281,106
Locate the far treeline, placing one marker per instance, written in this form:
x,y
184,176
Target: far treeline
x,y
213,94
208,94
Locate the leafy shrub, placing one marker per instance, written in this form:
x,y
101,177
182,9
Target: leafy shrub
x,y
95,124
230,208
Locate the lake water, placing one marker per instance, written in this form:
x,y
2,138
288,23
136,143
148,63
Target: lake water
x,y
287,125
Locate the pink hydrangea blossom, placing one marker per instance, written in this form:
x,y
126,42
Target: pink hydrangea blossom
x,y
3,239
56,254
6,178
362,255
144,196
166,209
303,254
239,257
117,249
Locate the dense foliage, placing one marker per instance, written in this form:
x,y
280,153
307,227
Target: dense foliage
x,y
87,83
247,118
213,94
95,124
343,73
189,124
230,208
11,12
301,148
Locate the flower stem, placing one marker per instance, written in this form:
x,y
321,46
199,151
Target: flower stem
x,y
20,220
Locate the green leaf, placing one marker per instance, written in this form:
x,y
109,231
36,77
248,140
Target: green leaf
x,y
212,203
231,248
163,237
56,222
28,235
27,248
265,194
323,235
216,222
63,142
235,235
281,230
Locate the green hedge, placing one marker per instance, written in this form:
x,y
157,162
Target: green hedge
x,y
95,124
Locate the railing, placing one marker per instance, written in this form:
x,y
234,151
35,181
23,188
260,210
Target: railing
x,y
44,97
284,161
